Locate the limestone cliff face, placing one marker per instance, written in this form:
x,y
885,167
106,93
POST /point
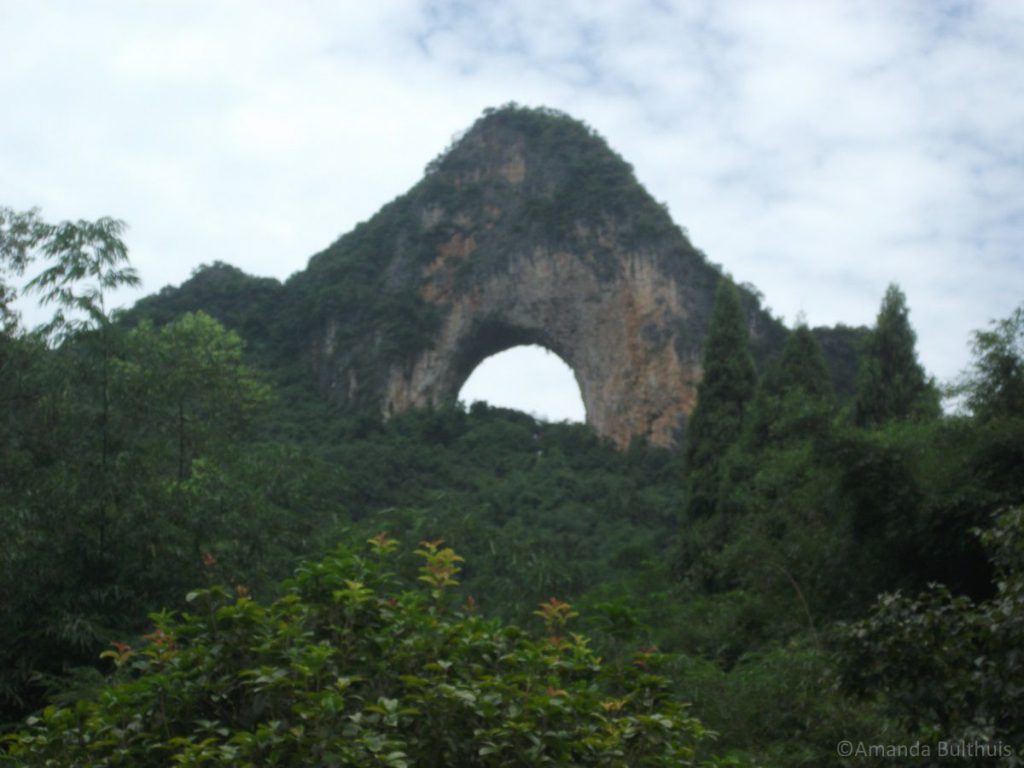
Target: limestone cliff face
x,y
530,230
631,376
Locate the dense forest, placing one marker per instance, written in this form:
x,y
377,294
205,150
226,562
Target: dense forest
x,y
204,563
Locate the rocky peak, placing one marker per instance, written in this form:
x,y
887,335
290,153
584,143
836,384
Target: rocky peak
x,y
528,229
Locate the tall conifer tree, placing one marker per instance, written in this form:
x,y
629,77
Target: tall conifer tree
x,y
802,366
795,398
891,384
722,397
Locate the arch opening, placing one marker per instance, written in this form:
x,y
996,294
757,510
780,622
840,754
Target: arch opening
x,y
528,378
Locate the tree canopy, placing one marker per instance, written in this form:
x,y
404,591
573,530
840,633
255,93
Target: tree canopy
x,y
950,667
994,384
150,453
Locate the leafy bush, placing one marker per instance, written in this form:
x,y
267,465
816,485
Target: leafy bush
x,y
347,668
946,666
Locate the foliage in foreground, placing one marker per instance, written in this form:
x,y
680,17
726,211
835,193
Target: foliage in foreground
x,y
121,476
346,668
950,667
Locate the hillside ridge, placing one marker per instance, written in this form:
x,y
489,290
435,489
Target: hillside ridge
x,y
529,228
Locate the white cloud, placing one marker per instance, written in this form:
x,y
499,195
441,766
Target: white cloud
x,y
817,149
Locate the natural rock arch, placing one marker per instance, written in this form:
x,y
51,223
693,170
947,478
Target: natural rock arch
x,y
615,336
529,230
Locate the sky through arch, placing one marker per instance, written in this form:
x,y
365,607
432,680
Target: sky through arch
x,y
530,379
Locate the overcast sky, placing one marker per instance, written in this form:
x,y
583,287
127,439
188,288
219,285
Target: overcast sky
x,y
818,150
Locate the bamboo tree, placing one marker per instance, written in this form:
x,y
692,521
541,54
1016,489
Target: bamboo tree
x,y
87,260
20,232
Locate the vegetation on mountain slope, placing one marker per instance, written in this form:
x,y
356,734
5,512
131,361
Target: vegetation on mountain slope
x,y
144,459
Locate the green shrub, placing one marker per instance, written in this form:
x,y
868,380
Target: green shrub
x,y
348,668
